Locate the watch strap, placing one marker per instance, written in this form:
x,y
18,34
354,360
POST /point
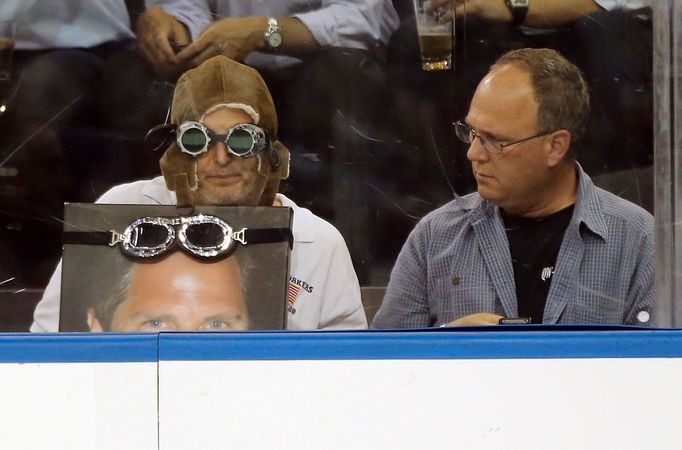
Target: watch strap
x,y
273,27
518,11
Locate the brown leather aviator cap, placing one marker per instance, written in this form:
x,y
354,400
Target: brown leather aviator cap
x,y
218,81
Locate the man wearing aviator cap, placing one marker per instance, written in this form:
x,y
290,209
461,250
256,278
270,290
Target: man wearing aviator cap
x,y
226,152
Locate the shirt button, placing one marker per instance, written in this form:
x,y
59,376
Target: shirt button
x,y
643,316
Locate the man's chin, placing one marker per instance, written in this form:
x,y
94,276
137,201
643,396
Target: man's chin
x,y
225,197
488,194
218,197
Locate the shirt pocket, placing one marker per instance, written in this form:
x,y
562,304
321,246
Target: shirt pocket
x,y
593,306
464,290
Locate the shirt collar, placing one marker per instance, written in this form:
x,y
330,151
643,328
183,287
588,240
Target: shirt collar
x,y
587,211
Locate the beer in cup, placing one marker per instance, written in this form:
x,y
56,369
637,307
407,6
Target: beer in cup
x,y
435,38
6,51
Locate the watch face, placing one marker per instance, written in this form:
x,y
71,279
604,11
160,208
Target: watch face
x,y
519,3
275,40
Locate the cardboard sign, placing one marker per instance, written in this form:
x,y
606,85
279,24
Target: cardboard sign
x,y
147,268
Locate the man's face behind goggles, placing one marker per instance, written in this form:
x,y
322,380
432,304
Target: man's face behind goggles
x,y
244,140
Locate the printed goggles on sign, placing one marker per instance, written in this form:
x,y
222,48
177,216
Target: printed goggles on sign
x,y
202,235
244,140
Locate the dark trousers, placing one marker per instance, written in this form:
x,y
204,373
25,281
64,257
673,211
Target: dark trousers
x,y
53,93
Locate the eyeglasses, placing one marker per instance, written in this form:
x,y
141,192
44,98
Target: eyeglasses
x,y
244,140
467,135
202,235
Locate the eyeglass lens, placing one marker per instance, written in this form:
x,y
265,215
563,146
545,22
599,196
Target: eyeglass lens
x,y
464,132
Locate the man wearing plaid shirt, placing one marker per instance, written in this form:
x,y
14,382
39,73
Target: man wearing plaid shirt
x,y
538,239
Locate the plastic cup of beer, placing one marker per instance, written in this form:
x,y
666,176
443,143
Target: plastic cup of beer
x,y
7,29
435,37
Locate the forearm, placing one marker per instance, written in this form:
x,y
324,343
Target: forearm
x,y
194,15
361,24
541,13
297,40
554,13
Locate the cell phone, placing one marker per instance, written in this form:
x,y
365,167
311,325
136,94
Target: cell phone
x,y
514,321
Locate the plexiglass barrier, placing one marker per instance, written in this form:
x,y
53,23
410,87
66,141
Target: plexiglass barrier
x,y
369,131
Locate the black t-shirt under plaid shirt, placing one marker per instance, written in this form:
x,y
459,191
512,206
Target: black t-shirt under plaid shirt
x,y
534,245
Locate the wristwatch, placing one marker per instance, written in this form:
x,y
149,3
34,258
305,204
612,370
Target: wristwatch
x,y
519,9
273,35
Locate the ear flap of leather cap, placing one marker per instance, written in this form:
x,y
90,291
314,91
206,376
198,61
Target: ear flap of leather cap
x,y
276,174
179,172
282,171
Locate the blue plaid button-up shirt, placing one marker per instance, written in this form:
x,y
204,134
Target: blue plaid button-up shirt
x,y
456,262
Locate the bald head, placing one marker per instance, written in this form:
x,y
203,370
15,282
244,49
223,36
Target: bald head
x,y
508,92
558,87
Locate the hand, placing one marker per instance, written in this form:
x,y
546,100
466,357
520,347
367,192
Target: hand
x,y
157,32
486,10
483,318
234,37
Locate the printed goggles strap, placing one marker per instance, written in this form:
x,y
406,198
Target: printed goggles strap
x,y
202,235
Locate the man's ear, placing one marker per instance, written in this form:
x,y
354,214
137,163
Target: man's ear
x,y
93,323
559,144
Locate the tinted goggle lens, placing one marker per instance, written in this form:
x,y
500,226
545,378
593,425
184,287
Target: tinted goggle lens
x,y
194,141
205,235
240,142
199,235
148,235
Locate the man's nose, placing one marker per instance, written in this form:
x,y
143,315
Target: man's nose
x,y
476,152
221,155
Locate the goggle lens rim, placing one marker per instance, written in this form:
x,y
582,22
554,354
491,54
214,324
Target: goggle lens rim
x,y
241,142
132,236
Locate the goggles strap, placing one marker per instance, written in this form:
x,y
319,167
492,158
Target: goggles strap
x,y
268,235
90,237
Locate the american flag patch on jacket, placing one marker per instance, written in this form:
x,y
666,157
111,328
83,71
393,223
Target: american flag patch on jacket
x,y
292,293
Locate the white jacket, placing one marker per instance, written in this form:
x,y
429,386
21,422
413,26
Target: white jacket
x,y
320,267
